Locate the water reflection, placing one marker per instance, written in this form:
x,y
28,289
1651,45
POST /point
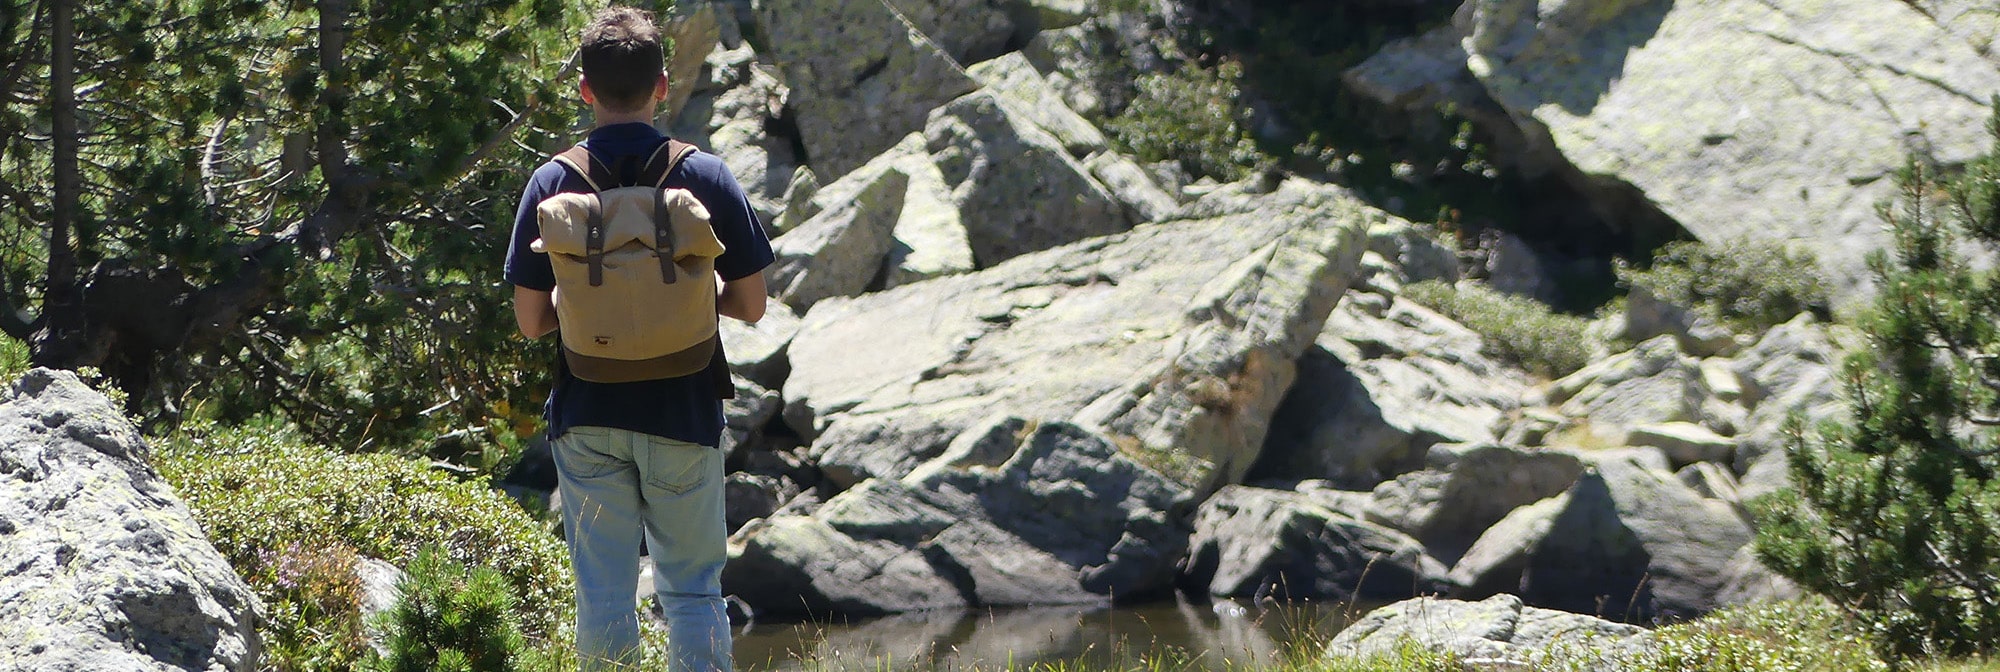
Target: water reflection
x,y
1218,636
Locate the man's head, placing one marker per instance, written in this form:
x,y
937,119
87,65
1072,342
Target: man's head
x,y
623,62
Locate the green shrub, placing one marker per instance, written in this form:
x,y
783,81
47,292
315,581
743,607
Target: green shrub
x,y
312,607
1191,116
1784,636
13,358
259,493
1894,513
451,621
1750,286
1516,329
1409,657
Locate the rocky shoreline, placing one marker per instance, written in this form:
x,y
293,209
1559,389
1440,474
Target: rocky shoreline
x,y
1008,365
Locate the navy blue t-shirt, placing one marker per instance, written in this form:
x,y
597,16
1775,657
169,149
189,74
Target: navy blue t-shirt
x,y
685,408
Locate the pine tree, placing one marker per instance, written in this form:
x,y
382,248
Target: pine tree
x,y
449,620
297,206
1896,515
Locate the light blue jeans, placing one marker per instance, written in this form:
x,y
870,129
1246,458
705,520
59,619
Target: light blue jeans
x,y
615,486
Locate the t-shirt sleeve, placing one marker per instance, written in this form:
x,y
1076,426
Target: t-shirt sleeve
x,y
526,267
746,250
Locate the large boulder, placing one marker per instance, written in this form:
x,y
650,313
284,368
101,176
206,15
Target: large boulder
x,y
757,351
1016,188
1066,518
982,183
1651,384
1499,628
104,567
1448,508
862,77
1792,370
1795,141
1177,339
1253,543
1626,541
969,30
1382,386
1973,20
839,252
1020,84
732,111
929,237
1095,65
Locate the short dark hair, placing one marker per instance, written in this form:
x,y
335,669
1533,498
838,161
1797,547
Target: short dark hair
x,y
622,58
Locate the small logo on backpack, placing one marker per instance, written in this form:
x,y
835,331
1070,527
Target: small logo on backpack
x,y
603,340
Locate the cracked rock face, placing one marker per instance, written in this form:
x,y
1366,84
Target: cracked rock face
x,y
101,566
1626,541
1499,629
1030,433
1381,386
1051,514
861,76
1253,542
1796,139
1177,340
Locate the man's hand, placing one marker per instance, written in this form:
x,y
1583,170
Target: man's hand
x,y
534,312
742,298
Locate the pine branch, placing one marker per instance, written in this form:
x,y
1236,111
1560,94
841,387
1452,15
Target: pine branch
x,y
507,131
31,46
11,322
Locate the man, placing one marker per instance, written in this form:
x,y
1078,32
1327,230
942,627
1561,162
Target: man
x,y
640,458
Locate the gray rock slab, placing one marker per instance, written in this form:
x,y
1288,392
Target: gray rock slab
x,y
839,252
1448,510
1794,369
1179,357
800,567
1652,383
1132,186
745,416
101,565
1684,443
1499,628
1748,581
1016,188
1379,389
1257,543
1627,541
1095,65
862,76
757,351
1794,142
1065,518
1021,85
970,31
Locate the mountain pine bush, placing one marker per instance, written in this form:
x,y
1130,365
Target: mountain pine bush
x,y
450,621
1896,514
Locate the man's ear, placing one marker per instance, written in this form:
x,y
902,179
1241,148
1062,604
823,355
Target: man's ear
x,y
660,88
583,88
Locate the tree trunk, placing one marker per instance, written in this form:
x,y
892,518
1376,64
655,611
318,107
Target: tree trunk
x,y
59,341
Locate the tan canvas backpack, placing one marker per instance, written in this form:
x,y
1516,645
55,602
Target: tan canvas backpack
x,y
635,270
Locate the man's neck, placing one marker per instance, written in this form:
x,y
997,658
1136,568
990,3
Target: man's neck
x,y
605,117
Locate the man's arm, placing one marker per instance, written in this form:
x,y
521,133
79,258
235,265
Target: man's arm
x,y
742,298
535,312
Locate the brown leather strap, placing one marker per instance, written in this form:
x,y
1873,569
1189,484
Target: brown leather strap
x,y
663,162
593,242
663,236
586,165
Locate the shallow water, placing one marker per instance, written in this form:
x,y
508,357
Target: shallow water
x,y
1218,636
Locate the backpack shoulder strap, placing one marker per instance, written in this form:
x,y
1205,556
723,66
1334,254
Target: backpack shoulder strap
x,y
588,167
663,162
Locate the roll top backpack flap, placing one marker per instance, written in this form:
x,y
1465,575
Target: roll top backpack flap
x,y
635,278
